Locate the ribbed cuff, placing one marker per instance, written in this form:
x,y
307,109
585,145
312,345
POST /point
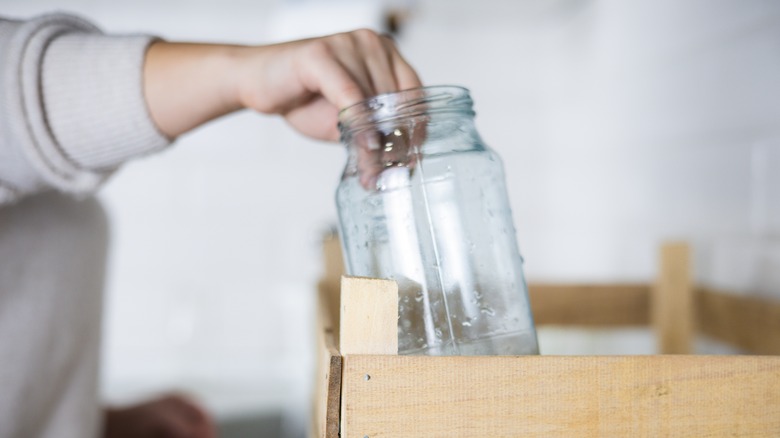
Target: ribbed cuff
x,y
92,88
71,105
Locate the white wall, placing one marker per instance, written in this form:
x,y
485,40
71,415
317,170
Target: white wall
x,y
621,124
624,124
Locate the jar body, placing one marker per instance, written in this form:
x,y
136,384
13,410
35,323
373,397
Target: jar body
x,y
438,223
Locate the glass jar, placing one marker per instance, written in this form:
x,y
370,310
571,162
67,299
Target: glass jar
x,y
422,201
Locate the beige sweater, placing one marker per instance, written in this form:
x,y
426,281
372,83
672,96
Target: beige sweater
x,y
71,111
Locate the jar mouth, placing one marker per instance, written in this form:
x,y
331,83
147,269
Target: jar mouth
x,y
405,104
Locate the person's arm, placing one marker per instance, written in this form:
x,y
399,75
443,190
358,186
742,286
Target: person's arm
x,y
306,81
71,105
76,104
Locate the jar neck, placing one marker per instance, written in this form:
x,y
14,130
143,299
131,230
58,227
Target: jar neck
x,y
386,114
399,130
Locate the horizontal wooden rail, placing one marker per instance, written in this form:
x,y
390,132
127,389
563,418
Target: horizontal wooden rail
x,y
590,305
750,323
549,396
362,394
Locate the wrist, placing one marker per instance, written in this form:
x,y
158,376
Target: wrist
x,y
227,63
186,85
266,78
250,77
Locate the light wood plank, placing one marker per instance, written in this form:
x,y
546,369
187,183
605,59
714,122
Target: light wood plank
x,y
747,322
329,300
369,316
672,301
544,396
590,305
327,402
333,259
327,390
330,283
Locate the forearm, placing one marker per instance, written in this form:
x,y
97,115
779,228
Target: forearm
x,y
186,85
80,106
306,81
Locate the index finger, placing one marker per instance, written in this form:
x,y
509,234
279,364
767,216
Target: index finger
x,y
405,75
322,73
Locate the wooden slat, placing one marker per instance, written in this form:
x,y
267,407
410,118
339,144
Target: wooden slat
x,y
327,402
671,307
327,391
547,396
590,305
746,322
330,283
330,301
369,316
332,258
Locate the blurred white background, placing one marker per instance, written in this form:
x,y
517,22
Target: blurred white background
x,y
621,124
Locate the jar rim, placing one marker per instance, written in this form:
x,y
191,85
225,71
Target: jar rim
x,y
405,103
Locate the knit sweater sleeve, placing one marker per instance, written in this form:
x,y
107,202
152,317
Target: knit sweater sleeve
x,y
71,105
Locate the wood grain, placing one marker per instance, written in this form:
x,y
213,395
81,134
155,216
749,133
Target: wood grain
x,y
369,316
544,396
330,283
332,257
600,305
327,389
672,311
746,322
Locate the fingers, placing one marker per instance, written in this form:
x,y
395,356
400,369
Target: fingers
x,y
347,68
405,75
316,119
382,70
379,61
369,159
323,73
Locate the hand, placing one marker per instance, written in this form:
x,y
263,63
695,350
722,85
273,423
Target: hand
x,y
305,81
309,81
172,416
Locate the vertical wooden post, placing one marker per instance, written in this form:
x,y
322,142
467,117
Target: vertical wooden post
x,y
330,283
369,316
369,321
672,302
327,404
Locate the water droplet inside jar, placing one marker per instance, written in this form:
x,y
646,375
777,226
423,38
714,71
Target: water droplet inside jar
x,y
487,311
418,296
438,333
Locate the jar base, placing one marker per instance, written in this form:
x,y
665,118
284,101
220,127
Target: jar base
x,y
511,344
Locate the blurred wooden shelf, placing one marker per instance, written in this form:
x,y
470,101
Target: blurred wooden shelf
x,y
364,389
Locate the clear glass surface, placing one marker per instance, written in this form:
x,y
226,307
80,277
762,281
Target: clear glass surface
x,y
423,202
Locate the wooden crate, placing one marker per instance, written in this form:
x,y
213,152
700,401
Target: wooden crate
x,y
365,389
